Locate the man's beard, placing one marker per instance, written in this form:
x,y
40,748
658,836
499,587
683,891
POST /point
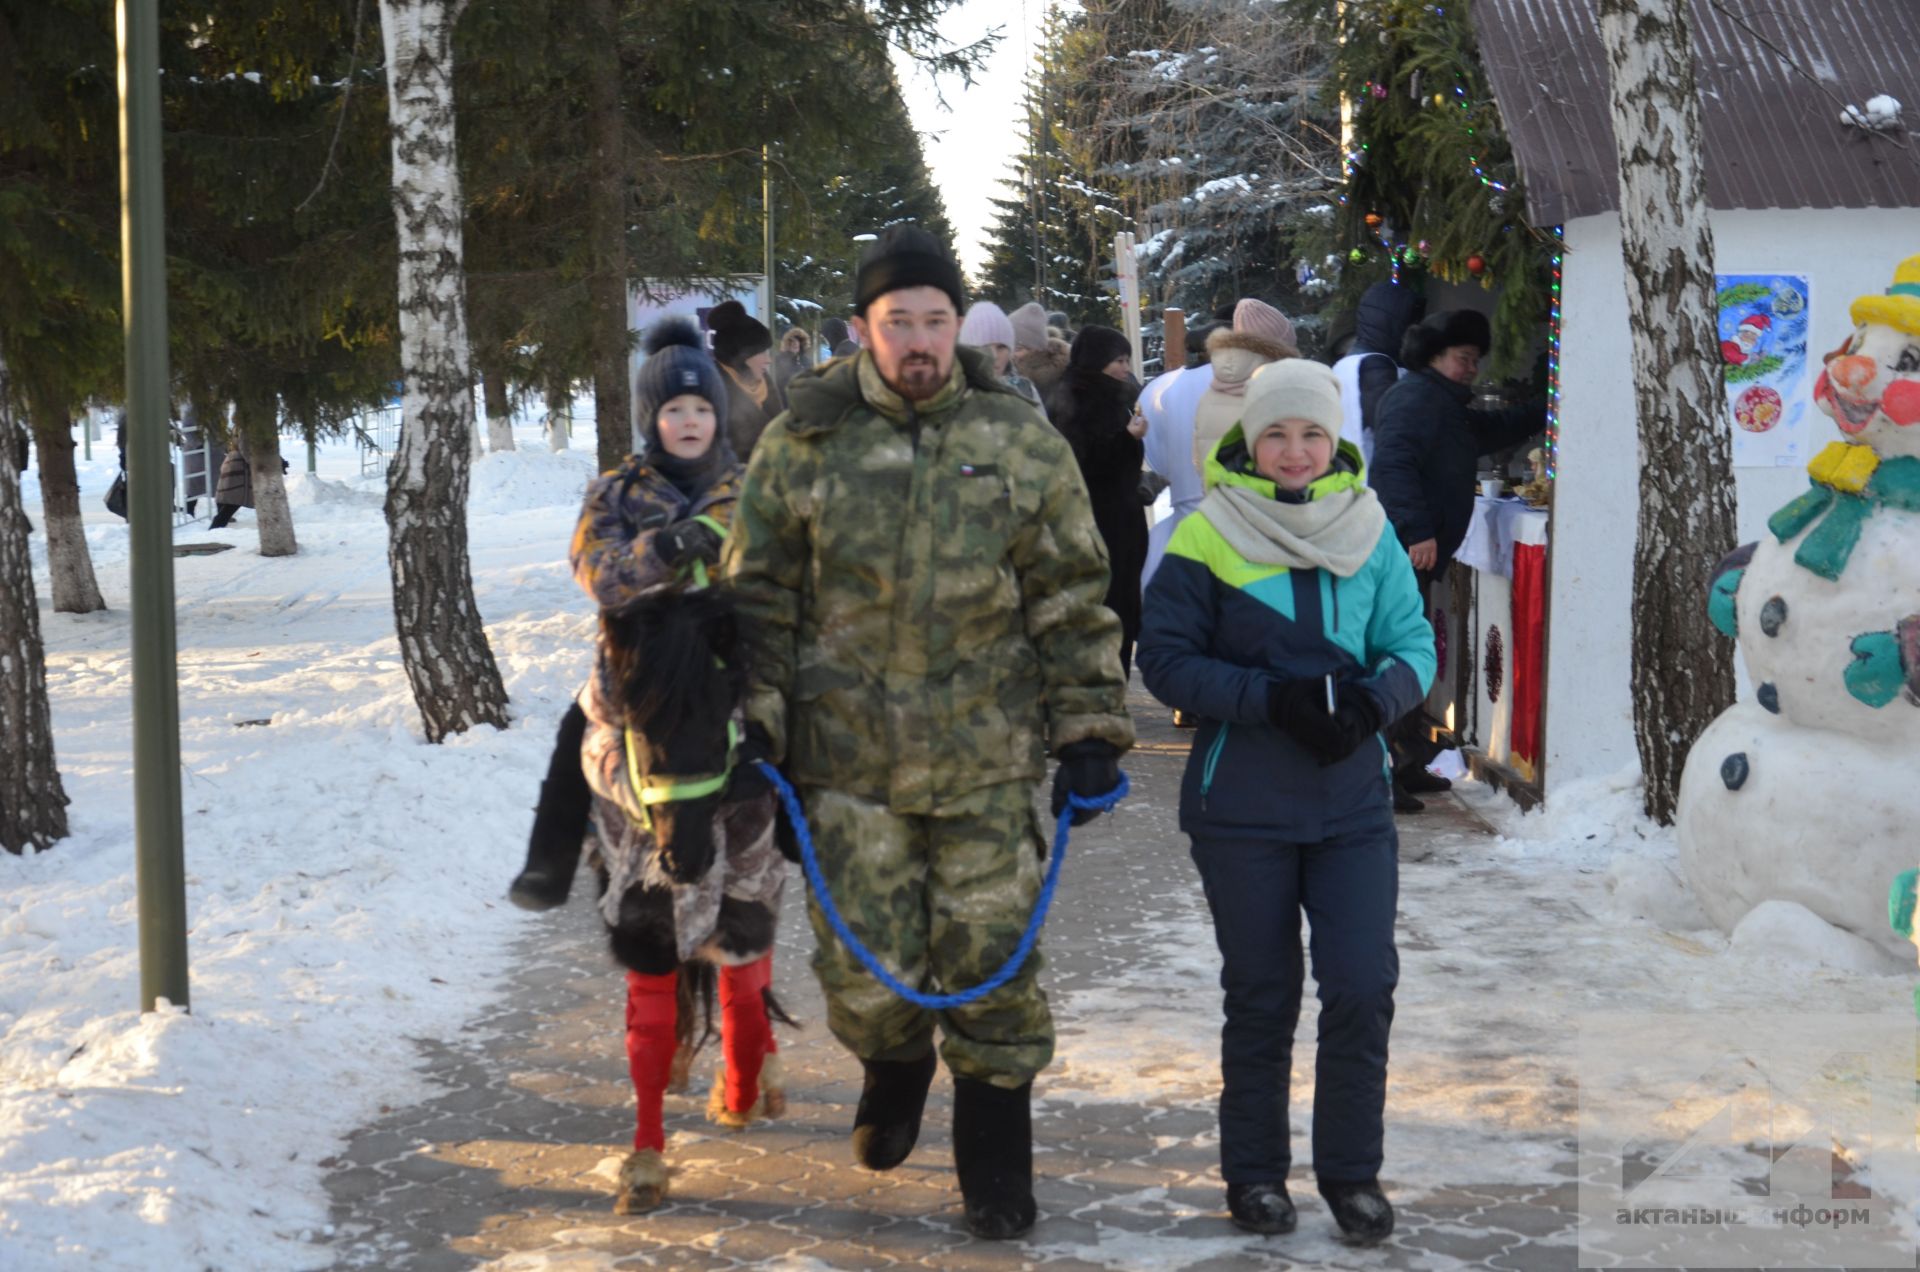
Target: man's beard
x,y
918,378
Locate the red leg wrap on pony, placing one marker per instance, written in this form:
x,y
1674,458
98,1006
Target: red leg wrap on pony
x,y
650,1044
746,1036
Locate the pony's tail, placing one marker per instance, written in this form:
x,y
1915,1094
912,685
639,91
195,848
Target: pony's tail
x,y
698,988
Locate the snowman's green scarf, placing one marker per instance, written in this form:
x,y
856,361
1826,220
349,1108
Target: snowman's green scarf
x,y
1848,481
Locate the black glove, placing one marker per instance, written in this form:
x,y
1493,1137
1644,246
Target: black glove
x,y
687,541
1089,768
1299,709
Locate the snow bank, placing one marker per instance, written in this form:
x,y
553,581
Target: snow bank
x,y
345,882
509,482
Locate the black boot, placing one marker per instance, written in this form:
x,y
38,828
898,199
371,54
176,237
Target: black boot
x,y
1404,802
993,1155
553,854
887,1124
559,822
1263,1208
1363,1212
1415,780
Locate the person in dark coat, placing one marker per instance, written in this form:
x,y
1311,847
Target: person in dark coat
x,y
1286,617
1427,445
1093,407
741,345
1369,368
795,356
235,490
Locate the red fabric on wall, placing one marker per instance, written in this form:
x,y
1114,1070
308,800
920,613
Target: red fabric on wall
x,y
1529,646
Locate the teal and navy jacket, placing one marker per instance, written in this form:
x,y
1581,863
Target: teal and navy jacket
x,y
1217,631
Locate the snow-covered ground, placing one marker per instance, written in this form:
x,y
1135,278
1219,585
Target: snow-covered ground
x,y
344,880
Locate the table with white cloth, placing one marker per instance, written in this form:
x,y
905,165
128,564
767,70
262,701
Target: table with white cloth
x,y
1490,624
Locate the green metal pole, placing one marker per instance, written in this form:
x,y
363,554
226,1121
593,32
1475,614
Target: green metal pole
x,y
161,871
313,455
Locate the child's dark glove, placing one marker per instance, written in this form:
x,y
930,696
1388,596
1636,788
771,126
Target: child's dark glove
x,y
1298,708
1088,769
685,542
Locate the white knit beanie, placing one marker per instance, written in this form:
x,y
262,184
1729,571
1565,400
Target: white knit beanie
x,y
1292,389
986,324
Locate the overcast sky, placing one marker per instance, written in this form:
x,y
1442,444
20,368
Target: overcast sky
x,y
969,143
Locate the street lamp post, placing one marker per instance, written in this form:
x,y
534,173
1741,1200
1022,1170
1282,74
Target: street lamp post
x,y
160,869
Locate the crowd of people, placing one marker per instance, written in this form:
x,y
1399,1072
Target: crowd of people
x,y
922,569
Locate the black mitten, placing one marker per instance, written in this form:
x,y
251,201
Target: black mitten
x,y
1299,709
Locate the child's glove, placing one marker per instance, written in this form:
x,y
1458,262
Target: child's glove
x,y
687,541
1298,708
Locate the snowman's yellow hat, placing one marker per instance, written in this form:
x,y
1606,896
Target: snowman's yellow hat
x,y
1899,308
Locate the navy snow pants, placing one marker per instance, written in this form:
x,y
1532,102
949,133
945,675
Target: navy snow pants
x,y
1257,888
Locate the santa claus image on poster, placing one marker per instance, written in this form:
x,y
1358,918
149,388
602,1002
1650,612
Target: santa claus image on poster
x,y
1747,338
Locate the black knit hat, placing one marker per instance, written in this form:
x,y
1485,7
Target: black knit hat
x,y
676,364
1095,347
1436,333
906,256
737,334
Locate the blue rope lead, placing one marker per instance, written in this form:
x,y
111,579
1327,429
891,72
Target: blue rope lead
x,y
810,862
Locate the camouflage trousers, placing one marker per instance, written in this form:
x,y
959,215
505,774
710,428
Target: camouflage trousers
x,y
942,900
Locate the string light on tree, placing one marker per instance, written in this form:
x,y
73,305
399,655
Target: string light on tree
x,y
1553,362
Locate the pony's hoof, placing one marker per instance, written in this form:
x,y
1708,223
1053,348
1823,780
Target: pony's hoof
x,y
643,1183
771,1102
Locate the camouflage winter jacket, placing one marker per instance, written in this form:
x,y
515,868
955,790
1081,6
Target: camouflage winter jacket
x,y
613,557
925,585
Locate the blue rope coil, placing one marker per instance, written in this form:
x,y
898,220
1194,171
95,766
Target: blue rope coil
x,y
810,862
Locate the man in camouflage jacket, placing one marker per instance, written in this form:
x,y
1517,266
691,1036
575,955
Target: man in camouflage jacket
x,y
914,548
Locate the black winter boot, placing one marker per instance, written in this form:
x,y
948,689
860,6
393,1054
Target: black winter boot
x,y
993,1155
559,822
887,1124
1404,801
1262,1207
1363,1212
1415,780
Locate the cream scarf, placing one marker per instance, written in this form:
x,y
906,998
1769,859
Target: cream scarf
x,y
1336,532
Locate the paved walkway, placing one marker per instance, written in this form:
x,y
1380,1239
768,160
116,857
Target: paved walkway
x,y
511,1164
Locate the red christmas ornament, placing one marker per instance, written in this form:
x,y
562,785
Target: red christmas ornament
x,y
1373,220
1476,264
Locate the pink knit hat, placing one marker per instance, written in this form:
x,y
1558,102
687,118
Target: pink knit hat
x,y
1257,318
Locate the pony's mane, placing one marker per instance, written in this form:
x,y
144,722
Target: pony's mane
x,y
674,655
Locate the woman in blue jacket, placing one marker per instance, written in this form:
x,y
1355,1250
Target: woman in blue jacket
x,y
1285,615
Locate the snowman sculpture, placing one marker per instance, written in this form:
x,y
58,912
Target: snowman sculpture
x,y
1810,793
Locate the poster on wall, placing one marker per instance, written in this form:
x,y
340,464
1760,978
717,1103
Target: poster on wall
x,y
1763,341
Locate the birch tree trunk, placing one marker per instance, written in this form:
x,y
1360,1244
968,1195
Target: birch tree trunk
x,y
258,420
559,433
499,407
33,804
1682,667
607,218
443,643
75,591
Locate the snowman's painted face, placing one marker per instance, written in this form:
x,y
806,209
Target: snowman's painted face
x,y
1871,388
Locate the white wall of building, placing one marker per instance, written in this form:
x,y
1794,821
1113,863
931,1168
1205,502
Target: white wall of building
x,y
1843,253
